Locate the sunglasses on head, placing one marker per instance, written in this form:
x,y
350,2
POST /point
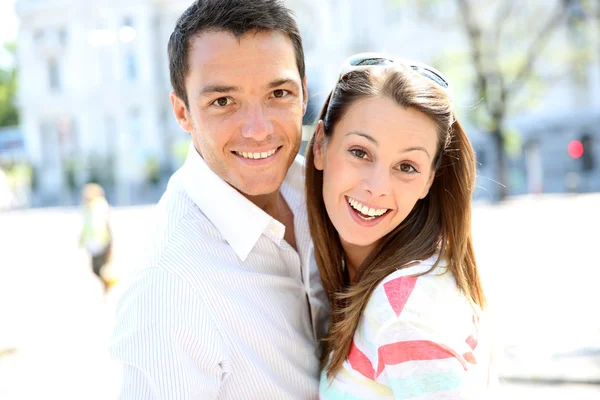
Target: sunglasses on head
x,y
376,59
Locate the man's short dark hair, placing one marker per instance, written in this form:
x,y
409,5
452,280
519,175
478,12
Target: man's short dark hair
x,y
235,16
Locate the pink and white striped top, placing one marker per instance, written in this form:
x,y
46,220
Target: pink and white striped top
x,y
418,337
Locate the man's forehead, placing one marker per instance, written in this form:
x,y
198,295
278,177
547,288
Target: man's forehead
x,y
212,45
218,58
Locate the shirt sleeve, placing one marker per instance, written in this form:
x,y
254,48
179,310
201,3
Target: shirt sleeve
x,y
165,341
418,358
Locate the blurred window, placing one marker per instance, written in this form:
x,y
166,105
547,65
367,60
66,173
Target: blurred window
x,y
62,36
587,158
110,133
534,166
38,35
130,65
134,125
128,21
54,74
49,141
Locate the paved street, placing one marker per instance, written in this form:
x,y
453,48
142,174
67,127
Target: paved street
x,y
540,270
541,273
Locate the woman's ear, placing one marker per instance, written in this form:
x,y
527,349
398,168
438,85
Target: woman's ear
x,y
319,146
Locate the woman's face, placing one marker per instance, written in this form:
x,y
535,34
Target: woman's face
x,y
376,165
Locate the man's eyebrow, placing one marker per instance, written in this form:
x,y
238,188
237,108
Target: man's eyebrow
x,y
224,89
283,81
211,89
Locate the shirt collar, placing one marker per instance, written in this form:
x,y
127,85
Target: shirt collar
x,y
239,220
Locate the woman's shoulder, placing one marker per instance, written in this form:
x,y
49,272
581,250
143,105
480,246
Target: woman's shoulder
x,y
432,266
423,290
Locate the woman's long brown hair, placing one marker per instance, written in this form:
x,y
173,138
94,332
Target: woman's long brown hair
x,y
440,223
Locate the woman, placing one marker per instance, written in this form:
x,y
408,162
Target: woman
x,y
390,174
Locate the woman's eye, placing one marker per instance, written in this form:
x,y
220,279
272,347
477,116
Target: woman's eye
x,y
222,101
280,93
359,153
404,167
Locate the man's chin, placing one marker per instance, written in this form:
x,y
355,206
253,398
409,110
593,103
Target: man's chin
x,y
260,188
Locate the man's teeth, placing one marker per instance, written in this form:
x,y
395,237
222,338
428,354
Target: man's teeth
x,y
256,156
371,212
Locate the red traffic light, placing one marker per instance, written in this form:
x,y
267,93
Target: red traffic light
x,y
575,149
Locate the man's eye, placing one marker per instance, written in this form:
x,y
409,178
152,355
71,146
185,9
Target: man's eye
x,y
280,93
359,153
404,167
222,101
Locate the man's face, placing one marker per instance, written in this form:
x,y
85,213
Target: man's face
x,y
246,102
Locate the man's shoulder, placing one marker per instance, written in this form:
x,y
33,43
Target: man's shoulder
x,y
180,229
174,201
184,238
177,206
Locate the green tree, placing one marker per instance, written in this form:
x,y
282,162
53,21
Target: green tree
x,y
512,54
9,114
502,72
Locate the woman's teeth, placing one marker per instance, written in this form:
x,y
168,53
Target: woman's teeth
x,y
369,212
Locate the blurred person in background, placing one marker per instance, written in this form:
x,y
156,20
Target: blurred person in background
x,y
229,304
389,178
96,236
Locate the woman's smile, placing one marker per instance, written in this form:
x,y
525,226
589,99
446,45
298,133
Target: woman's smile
x,y
365,214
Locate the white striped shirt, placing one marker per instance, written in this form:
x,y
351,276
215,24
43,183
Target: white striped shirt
x,y
221,310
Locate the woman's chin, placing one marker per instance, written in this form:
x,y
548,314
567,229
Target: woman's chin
x,y
358,241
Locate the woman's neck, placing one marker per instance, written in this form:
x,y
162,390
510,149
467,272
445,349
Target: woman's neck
x,y
354,256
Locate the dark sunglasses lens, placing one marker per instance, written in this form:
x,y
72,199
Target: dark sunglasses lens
x,y
371,61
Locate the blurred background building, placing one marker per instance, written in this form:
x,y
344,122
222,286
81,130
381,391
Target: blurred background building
x,y
94,104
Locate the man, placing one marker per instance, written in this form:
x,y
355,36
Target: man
x,y
230,304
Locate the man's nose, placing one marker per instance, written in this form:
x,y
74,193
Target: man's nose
x,y
257,124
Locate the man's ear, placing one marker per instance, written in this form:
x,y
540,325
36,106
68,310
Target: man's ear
x,y
181,112
319,146
305,97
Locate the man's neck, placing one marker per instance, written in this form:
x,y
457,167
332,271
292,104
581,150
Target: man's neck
x,y
269,203
275,205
